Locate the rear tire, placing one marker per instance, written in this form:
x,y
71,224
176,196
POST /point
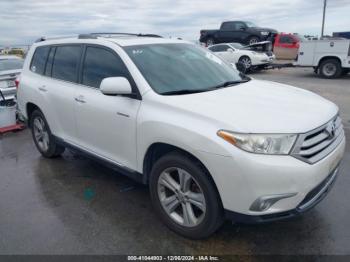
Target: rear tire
x,y
42,136
210,42
189,204
330,68
253,40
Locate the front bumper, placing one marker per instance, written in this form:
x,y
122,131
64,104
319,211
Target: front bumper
x,y
312,199
244,177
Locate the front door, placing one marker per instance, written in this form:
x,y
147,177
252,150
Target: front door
x,y
106,125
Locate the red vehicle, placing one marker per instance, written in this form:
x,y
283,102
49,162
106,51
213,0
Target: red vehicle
x,y
286,46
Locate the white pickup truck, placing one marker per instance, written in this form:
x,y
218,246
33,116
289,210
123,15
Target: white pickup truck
x,y
330,58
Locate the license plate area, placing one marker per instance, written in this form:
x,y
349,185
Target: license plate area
x,y
11,83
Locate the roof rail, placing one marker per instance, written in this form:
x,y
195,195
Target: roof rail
x,y
44,38
106,34
94,36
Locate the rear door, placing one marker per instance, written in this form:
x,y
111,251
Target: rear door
x,y
233,32
227,32
60,86
106,124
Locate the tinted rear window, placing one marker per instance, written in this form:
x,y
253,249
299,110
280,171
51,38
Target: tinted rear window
x,y
39,59
65,64
10,64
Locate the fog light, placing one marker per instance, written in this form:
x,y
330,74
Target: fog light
x,y
265,202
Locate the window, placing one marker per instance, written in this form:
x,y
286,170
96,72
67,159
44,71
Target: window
x,y
219,48
233,26
48,68
227,26
100,63
286,39
39,59
65,64
11,64
238,26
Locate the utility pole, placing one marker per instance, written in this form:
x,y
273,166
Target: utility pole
x,y
324,16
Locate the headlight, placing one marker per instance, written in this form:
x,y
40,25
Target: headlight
x,y
264,33
279,144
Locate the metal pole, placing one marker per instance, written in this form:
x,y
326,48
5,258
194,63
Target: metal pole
x,y
324,16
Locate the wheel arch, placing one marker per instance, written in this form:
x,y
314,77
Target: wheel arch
x,y
158,149
329,57
30,108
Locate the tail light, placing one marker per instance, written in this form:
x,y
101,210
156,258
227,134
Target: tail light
x,y
17,82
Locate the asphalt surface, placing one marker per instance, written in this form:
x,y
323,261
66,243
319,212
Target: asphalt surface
x,y
72,205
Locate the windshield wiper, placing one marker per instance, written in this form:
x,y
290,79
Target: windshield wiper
x,y
231,83
184,92
193,91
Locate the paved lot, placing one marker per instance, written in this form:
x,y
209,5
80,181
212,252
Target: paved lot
x,y
72,205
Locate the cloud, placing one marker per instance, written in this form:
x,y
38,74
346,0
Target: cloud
x,y
23,21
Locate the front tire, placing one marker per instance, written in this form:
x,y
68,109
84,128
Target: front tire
x,y
246,61
330,68
184,196
42,136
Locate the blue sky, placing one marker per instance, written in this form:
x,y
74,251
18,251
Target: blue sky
x,y
23,21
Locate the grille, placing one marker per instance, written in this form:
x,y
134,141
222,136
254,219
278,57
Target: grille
x,y
313,146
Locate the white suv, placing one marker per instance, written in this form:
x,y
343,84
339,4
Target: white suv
x,y
210,142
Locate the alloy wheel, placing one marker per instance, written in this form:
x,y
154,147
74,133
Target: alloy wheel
x,y
246,62
181,197
253,41
41,134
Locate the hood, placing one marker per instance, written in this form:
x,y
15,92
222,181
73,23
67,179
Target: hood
x,y
263,46
274,31
259,107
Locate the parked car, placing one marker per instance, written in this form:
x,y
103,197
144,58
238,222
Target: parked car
x,y
330,58
286,46
237,53
210,142
243,32
10,68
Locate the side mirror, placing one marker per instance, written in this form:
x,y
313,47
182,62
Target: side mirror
x,y
242,28
115,86
230,50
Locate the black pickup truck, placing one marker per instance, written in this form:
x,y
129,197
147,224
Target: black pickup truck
x,y
237,31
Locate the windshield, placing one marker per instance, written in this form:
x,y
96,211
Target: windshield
x,y
169,68
250,24
237,45
300,37
10,64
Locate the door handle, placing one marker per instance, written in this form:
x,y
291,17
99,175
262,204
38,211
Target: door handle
x,y
42,88
80,99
